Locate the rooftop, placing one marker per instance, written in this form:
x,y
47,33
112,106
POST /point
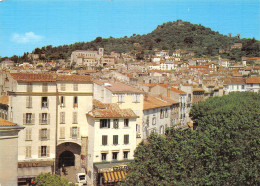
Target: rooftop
x,y
4,100
6,123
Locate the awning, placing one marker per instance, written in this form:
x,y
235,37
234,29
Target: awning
x,y
114,176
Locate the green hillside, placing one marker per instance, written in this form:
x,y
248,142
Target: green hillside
x,y
168,36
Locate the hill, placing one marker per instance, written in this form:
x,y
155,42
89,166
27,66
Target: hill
x,y
168,36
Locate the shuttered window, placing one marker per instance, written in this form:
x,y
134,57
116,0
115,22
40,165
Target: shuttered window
x,y
28,118
62,87
75,117
126,139
29,102
115,123
104,140
115,139
62,117
28,134
28,152
29,87
62,132
44,151
75,87
44,87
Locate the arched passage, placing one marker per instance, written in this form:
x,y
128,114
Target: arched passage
x,y
67,158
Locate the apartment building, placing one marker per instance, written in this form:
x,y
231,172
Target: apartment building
x,y
124,95
52,109
112,141
159,114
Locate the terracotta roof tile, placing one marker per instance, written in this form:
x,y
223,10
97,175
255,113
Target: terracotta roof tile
x,y
4,100
253,80
6,123
118,87
151,102
112,110
48,77
234,80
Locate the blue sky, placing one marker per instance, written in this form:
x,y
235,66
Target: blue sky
x,y
27,24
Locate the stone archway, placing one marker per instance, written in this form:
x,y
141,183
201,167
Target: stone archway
x,y
68,154
67,158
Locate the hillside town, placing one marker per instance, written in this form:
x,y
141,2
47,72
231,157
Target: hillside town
x,y
86,116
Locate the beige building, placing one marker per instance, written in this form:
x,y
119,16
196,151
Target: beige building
x,y
52,109
112,141
9,152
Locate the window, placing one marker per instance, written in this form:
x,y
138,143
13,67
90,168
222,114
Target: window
x,y
154,120
120,98
44,87
114,155
147,121
75,101
28,118
28,152
162,130
29,87
62,132
43,117
136,98
62,117
74,132
115,123
28,134
29,102
166,113
103,156
43,134
125,155
45,102
104,140
75,117
44,151
62,101
104,123
126,139
243,86
75,87
161,114
62,87
126,122
115,139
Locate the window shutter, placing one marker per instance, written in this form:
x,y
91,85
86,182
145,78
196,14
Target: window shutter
x,y
100,123
108,123
78,134
24,118
48,151
62,132
30,101
40,118
33,118
63,101
27,134
71,132
75,117
48,118
47,102
30,134
27,102
40,134
48,134
39,151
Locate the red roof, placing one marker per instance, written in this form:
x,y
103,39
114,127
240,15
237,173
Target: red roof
x,y
6,123
253,80
49,77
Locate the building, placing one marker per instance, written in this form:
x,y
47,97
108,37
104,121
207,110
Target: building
x,y
9,152
112,140
253,84
52,108
159,113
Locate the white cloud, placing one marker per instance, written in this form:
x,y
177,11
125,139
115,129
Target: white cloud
x,y
28,37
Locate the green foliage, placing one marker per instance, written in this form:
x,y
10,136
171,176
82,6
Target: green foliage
x,y
54,180
223,150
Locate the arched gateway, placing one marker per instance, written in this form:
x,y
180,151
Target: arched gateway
x,y
68,154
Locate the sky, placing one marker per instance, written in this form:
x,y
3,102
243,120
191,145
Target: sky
x,y
27,24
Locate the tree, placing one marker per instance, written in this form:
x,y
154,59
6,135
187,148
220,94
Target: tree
x,y
54,180
222,150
